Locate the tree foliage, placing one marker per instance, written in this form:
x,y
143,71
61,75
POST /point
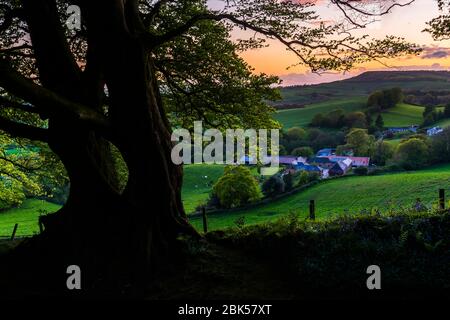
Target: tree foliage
x,y
359,141
412,153
237,187
385,99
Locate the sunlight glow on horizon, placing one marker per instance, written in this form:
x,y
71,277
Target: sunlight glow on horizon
x,y
407,22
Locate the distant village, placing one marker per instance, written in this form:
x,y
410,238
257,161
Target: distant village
x,y
325,163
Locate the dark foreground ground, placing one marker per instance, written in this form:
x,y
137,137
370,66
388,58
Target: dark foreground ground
x,y
293,259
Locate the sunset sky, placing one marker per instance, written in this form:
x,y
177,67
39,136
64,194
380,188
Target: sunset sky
x,y
407,22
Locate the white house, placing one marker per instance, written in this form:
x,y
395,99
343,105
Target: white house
x,y
434,131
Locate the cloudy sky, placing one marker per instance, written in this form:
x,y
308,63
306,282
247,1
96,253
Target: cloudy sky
x,y
407,22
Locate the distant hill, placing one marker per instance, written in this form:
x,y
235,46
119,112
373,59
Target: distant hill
x,y
363,85
400,76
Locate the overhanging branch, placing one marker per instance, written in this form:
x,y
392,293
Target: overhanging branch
x,y
21,130
51,103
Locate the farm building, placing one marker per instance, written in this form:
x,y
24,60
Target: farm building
x,y
312,168
356,161
434,131
323,162
394,130
340,168
291,160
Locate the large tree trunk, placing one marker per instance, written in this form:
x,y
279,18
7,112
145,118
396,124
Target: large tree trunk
x,y
118,240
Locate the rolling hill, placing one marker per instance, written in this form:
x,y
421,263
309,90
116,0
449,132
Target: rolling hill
x,y
301,103
363,85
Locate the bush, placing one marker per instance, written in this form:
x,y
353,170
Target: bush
x,y
330,257
412,154
288,182
305,152
236,187
273,186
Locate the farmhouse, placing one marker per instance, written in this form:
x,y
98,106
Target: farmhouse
x,y
394,130
340,168
291,160
323,173
356,161
434,131
323,162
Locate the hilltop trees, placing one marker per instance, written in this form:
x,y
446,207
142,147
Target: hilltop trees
x,y
338,119
132,68
385,99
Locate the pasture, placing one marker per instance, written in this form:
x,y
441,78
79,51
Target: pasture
x,y
302,117
347,195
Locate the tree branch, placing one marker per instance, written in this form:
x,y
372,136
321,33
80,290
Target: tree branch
x,y
50,102
16,129
6,103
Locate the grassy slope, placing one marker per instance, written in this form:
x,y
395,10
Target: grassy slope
x,y
197,184
443,123
350,193
333,198
403,115
26,216
196,189
302,117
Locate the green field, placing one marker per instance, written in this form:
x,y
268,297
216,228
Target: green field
x,y
403,115
348,194
26,216
333,197
443,123
302,117
197,184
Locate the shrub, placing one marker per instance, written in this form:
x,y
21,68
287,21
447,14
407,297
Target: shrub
x,y
412,154
288,182
305,152
273,186
237,187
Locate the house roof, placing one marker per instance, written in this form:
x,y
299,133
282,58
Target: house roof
x,y
357,161
307,167
287,160
320,160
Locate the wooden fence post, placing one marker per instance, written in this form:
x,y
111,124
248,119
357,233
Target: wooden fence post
x,y
312,210
442,199
205,220
14,231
